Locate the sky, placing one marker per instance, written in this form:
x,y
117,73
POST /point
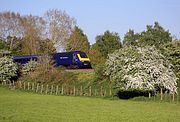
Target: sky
x,y
94,17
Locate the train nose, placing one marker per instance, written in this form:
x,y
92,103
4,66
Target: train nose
x,y
87,64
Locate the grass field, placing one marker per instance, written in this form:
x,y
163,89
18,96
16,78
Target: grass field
x,y
28,107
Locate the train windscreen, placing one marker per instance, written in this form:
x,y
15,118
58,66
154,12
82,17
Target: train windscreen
x,y
83,55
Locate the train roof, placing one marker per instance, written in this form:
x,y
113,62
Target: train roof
x,y
36,56
27,56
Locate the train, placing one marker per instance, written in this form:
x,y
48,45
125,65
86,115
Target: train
x,y
73,59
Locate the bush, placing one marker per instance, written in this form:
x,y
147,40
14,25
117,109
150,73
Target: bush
x,y
46,73
99,71
8,69
131,93
29,67
141,68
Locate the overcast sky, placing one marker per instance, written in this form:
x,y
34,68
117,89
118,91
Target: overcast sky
x,y
97,16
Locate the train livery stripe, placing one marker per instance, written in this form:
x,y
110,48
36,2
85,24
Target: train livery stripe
x,y
82,59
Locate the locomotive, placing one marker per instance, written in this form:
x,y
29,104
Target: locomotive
x,y
73,59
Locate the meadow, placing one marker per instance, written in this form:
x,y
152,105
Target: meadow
x,y
20,106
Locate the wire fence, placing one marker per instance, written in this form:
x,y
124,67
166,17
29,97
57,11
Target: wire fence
x,y
59,90
80,91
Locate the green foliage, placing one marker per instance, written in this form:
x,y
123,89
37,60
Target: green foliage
x,y
3,45
99,70
141,68
154,35
78,41
96,57
29,67
108,43
47,47
45,73
8,69
131,38
172,52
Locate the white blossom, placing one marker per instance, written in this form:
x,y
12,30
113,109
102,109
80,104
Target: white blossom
x,y
141,68
8,69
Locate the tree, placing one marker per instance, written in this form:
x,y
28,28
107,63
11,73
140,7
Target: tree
x,y
108,43
171,51
78,41
33,27
131,38
10,27
59,26
141,69
95,56
3,45
47,47
154,35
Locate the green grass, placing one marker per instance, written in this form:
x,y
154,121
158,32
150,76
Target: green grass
x,y
22,106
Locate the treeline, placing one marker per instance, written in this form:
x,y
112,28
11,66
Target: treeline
x,y
27,35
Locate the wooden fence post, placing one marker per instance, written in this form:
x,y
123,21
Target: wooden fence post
x,y
77,91
95,92
57,88
105,92
20,84
14,85
13,82
74,91
90,91
101,91
32,86
37,88
149,95
81,92
28,86
173,95
24,85
51,89
161,94
41,88
110,91
62,90
47,89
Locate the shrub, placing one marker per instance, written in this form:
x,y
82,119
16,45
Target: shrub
x,y
141,68
46,73
8,69
131,93
29,67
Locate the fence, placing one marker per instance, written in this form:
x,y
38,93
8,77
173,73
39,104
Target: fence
x,y
59,90
79,91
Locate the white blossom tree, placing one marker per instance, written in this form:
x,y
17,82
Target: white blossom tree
x,y
141,68
8,69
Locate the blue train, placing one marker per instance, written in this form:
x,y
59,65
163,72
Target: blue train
x,y
74,59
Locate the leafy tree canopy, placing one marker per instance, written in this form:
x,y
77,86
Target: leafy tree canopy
x,y
108,43
172,52
78,41
155,35
131,38
96,56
